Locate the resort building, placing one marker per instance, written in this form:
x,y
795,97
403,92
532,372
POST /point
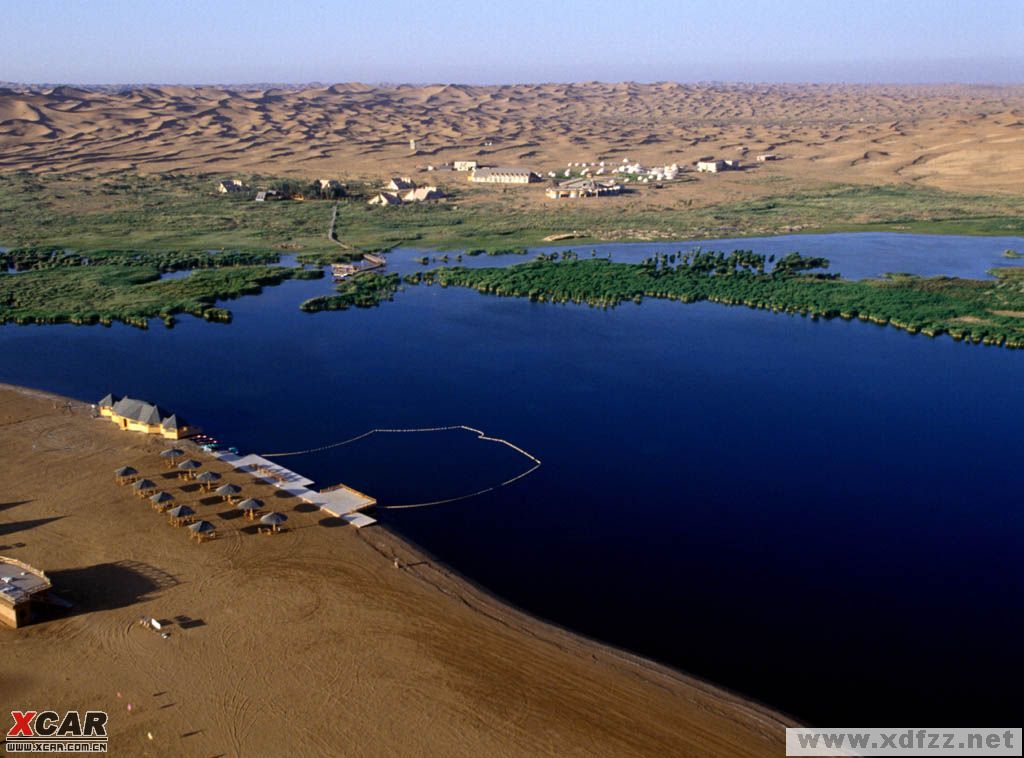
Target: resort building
x,y
231,185
385,198
578,188
464,165
420,194
19,585
140,416
503,176
401,183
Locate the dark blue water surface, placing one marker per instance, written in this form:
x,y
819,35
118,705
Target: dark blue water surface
x,y
825,516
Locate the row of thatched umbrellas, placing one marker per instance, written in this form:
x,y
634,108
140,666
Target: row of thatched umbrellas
x,y
182,514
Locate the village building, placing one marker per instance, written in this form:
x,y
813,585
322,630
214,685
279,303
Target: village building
x,y
420,194
503,176
465,165
20,584
231,185
767,157
140,416
402,183
385,198
580,188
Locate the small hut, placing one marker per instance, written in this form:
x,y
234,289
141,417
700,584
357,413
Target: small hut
x,y
202,530
228,491
144,487
180,515
187,467
161,501
171,455
207,479
250,507
125,474
274,521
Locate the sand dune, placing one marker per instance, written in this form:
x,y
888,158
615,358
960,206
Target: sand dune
x,y
952,137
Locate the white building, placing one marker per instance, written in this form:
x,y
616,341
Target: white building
x,y
714,166
464,165
503,176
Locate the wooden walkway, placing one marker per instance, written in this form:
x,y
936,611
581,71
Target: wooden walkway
x,y
340,501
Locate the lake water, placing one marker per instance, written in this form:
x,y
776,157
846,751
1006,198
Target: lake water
x,y
825,516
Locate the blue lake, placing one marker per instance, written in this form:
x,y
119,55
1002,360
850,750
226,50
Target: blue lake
x,y
823,515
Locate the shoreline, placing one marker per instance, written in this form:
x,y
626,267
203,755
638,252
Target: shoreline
x,y
451,582
545,638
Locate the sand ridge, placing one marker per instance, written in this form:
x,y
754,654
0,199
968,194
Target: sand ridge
x,y
309,642
951,137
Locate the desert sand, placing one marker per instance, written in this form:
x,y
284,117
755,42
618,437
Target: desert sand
x,y
966,138
307,642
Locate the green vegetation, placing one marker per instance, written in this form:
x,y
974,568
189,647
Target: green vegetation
x,y
360,291
1012,254
174,213
989,312
130,294
159,213
91,248
41,258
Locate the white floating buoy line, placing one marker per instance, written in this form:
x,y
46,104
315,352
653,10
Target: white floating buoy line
x,y
536,463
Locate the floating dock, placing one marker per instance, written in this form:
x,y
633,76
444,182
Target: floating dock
x,y
339,500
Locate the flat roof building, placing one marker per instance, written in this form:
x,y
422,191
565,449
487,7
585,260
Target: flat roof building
x,y
19,585
464,165
140,416
714,166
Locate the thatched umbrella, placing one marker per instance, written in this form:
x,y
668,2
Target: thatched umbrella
x,y
187,467
144,487
202,530
170,454
125,474
227,490
161,500
274,520
207,478
180,514
250,507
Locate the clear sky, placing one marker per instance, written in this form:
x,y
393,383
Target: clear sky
x,y
491,41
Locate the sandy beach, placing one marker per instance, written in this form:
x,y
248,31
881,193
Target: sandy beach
x,y
306,642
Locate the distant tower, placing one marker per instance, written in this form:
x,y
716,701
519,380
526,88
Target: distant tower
x,y
412,145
